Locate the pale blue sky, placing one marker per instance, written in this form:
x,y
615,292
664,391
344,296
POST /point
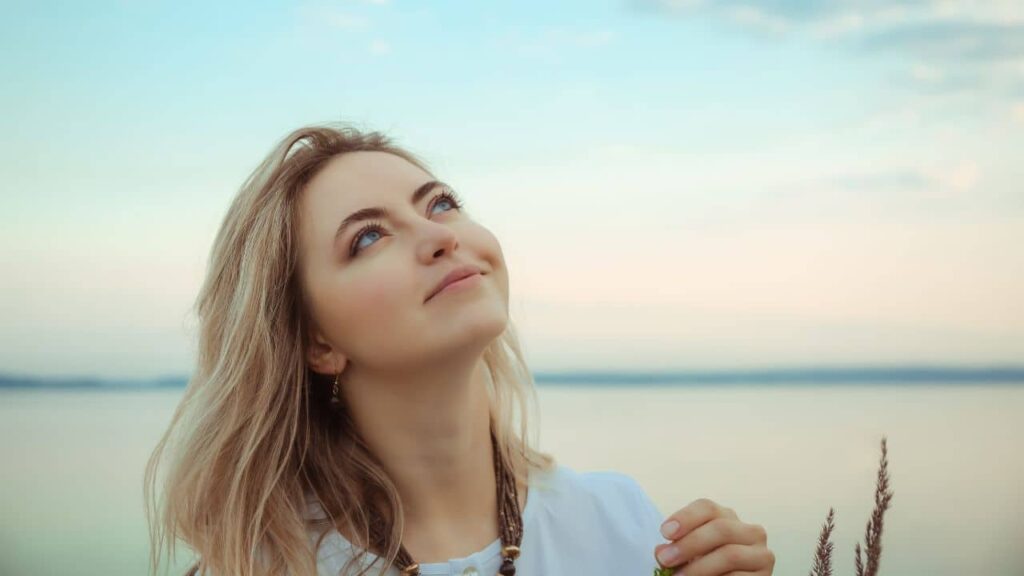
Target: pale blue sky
x,y
680,184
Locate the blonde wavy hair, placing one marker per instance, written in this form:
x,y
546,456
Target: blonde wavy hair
x,y
252,437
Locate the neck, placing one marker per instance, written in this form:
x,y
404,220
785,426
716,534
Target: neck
x,y
431,432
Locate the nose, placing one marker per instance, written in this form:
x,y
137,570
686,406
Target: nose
x,y
439,240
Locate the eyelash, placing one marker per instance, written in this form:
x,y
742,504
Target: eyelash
x,y
448,195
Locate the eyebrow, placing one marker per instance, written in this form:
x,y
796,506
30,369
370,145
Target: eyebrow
x,y
378,212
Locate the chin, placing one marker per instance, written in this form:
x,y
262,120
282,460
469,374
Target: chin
x,y
478,328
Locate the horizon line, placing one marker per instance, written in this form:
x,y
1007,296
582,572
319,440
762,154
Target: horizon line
x,y
795,374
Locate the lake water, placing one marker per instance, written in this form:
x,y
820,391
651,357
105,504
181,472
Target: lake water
x,y
71,467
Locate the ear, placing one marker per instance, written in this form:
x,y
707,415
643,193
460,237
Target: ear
x,y
323,358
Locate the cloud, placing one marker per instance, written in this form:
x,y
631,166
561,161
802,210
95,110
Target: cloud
x,y
344,15
962,177
553,40
884,180
343,20
324,16
1018,112
926,73
939,39
958,177
983,40
380,47
846,16
913,191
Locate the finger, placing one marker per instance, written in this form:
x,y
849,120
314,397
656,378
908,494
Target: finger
x,y
690,517
706,538
730,512
730,558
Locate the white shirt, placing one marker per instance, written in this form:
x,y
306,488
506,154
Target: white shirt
x,y
573,523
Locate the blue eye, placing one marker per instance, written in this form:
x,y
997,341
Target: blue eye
x,y
448,196
364,231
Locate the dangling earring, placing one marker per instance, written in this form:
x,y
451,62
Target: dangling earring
x,y
335,400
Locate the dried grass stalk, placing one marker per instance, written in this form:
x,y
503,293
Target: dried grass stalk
x,y
872,533
823,556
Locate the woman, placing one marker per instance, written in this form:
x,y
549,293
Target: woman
x,y
354,406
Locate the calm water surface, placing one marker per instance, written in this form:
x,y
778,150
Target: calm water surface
x,y
72,466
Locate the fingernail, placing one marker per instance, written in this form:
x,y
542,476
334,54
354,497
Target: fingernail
x,y
668,555
669,528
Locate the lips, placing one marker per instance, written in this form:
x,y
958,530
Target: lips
x,y
454,276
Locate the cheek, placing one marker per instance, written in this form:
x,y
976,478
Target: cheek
x,y
489,247
491,252
375,301
369,310
371,298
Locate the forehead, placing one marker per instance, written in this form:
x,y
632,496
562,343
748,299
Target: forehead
x,y
351,180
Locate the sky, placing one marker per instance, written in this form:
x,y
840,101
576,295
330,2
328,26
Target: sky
x,y
675,184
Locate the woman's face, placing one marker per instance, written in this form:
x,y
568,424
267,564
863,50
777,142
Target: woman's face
x,y
371,307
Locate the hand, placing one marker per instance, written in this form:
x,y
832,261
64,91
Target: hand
x,y
711,541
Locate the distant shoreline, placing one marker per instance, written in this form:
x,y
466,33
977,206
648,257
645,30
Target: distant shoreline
x,y
812,376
